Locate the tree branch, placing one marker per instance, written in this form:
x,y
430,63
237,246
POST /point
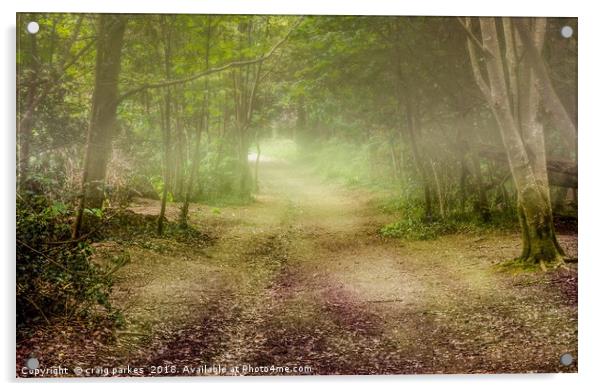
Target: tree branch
x,y
548,94
476,69
210,71
471,37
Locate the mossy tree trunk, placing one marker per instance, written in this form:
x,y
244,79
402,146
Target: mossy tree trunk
x,y
511,92
539,238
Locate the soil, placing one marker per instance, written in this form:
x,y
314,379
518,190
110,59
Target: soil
x,y
300,278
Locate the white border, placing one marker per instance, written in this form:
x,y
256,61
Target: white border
x,y
357,7
589,152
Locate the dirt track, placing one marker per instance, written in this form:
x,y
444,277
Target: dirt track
x,y
301,278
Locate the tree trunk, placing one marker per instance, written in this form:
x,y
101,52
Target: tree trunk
x,y
180,159
300,129
245,91
256,176
535,214
196,159
26,121
550,98
204,121
462,184
439,191
167,177
166,126
530,125
559,202
243,161
394,160
418,158
405,103
481,204
103,115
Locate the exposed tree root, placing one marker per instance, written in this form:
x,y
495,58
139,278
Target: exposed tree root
x,y
532,264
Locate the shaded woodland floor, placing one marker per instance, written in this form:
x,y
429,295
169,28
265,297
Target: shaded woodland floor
x,y
301,278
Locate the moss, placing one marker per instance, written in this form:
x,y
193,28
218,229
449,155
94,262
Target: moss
x,y
540,246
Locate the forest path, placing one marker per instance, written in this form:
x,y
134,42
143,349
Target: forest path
x,y
301,278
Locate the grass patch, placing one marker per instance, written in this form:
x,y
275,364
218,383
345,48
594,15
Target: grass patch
x,y
517,266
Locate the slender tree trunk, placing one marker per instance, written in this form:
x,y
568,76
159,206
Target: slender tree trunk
x,y
103,115
167,177
196,160
26,121
166,128
394,161
179,167
220,147
462,184
196,154
406,103
560,199
439,191
418,158
256,176
481,204
243,161
300,129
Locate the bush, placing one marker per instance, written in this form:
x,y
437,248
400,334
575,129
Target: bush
x,y
56,276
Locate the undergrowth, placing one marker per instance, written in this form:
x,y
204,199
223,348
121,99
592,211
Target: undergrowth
x,y
56,276
412,224
126,227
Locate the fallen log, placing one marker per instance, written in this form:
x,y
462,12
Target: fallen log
x,y
561,172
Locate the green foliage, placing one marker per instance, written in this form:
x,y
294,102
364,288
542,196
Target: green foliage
x,y
96,212
159,185
413,225
57,277
350,163
128,228
218,177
